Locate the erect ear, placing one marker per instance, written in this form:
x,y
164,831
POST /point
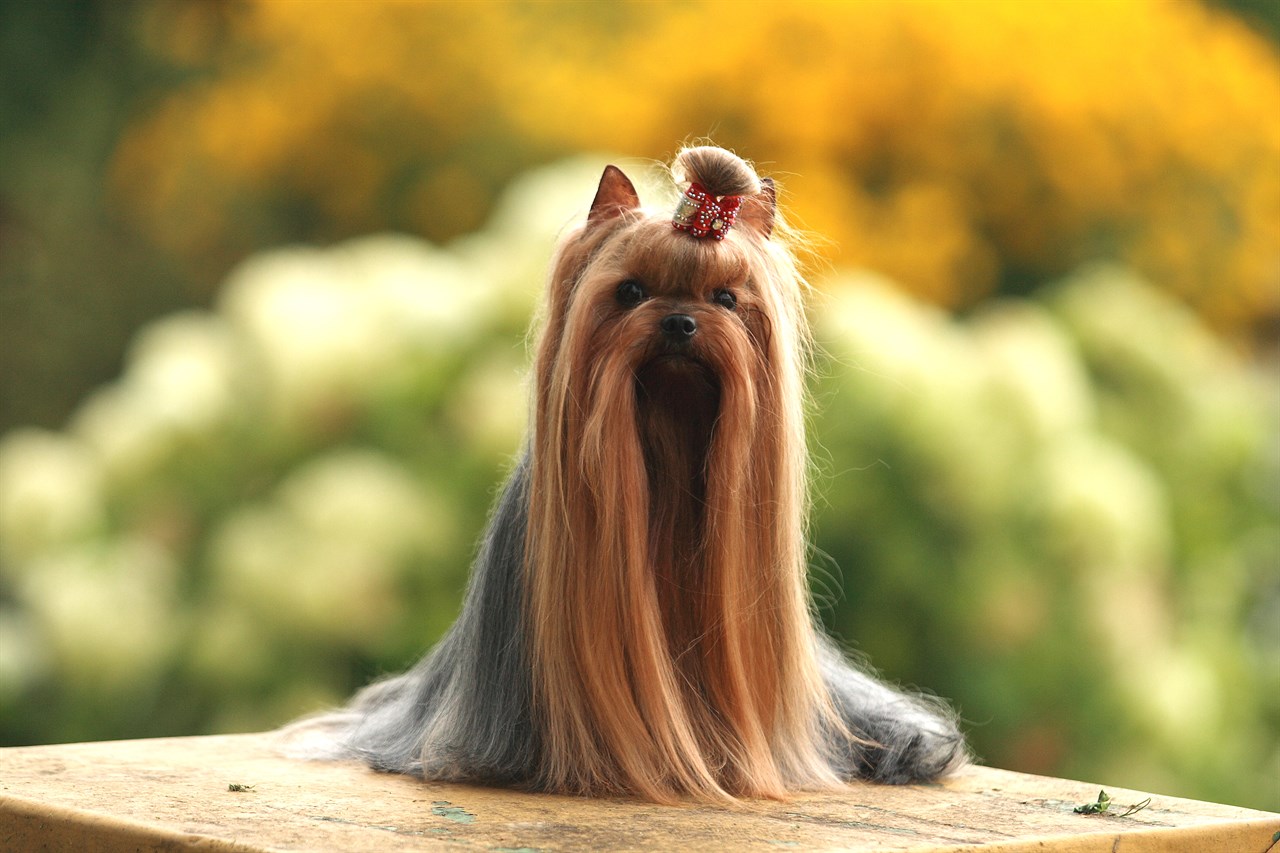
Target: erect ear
x,y
758,210
615,196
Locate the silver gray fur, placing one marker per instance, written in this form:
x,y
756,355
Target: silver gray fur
x,y
464,713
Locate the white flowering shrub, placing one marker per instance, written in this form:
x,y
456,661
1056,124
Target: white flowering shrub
x,y
1062,514
1059,513
278,498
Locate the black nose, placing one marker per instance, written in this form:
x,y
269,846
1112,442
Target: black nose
x,y
678,327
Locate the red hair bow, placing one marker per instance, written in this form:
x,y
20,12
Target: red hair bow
x,y
702,215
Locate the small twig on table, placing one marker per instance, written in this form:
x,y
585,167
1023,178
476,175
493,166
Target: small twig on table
x,y
1103,806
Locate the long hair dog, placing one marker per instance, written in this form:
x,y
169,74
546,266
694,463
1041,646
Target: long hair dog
x,y
638,619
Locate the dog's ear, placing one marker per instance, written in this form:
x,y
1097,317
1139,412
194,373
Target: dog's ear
x,y
615,196
758,210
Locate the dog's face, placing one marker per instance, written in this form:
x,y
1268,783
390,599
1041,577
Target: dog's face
x,y
665,333
674,320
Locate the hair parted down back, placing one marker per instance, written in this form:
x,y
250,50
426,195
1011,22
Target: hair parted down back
x,y
638,618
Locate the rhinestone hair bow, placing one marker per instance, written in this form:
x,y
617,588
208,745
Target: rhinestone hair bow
x,y
702,215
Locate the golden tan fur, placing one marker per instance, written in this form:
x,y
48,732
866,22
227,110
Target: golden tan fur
x,y
672,642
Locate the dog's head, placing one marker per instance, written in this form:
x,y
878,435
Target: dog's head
x,y
648,323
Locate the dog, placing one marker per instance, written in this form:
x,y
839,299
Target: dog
x,y
638,620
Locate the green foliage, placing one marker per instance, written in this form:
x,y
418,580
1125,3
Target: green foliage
x,y
1058,512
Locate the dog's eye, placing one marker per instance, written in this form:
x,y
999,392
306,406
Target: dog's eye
x,y
725,299
630,293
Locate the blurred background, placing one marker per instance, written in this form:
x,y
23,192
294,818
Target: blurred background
x,y
266,270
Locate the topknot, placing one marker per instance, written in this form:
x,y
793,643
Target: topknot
x,y
721,172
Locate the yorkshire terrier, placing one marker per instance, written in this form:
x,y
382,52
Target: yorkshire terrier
x,y
638,618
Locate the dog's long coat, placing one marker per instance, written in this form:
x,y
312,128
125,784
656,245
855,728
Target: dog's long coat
x,y
638,618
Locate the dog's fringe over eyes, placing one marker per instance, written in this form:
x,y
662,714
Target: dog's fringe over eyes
x,y
638,620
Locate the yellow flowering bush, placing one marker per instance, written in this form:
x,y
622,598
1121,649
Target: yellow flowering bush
x,y
959,148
